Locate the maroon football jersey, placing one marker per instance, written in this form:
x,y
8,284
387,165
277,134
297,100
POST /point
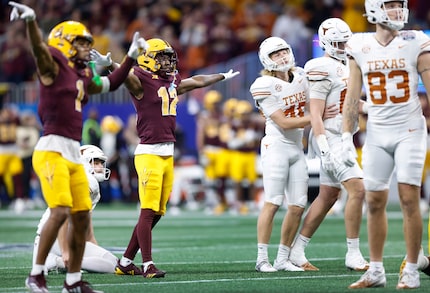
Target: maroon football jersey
x,y
156,111
61,103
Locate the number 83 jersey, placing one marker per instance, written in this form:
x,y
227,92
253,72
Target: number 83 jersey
x,y
389,74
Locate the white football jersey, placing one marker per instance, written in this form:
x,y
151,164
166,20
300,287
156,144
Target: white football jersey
x,y
291,98
390,74
334,76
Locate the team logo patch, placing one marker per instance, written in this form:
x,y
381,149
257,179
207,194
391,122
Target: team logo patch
x,y
339,71
365,49
408,35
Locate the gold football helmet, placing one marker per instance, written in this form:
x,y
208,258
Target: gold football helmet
x,y
155,57
63,35
111,124
211,98
229,107
242,107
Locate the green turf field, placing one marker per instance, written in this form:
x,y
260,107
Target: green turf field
x,y
203,253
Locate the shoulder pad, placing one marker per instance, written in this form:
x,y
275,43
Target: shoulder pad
x,y
317,69
261,88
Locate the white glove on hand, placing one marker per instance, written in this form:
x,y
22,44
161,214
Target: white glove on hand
x,y
21,11
327,158
137,46
328,162
142,43
100,59
349,154
230,74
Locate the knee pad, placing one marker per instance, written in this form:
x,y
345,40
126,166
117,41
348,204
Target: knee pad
x,y
374,185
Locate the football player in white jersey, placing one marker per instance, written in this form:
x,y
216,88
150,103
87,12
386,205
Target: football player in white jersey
x,y
387,63
281,95
96,259
327,77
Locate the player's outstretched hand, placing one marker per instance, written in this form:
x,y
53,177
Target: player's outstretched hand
x,y
21,11
138,46
230,74
100,59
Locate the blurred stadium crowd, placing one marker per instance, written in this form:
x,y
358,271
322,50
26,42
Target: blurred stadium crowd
x,y
203,32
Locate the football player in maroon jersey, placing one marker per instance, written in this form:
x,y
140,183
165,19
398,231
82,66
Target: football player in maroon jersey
x,y
154,85
65,83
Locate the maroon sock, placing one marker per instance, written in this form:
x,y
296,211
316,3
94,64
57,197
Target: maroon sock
x,y
155,220
133,246
18,186
144,233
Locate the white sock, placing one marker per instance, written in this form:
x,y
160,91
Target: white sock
x,y
283,253
353,244
301,243
262,252
72,278
37,269
410,267
125,261
146,265
376,266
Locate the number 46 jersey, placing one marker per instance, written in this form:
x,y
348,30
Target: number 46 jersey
x,y
390,74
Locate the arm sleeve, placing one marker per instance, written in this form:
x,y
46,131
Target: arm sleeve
x,y
117,77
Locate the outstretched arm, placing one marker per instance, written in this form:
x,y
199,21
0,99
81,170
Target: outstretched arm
x,y
131,82
46,66
199,81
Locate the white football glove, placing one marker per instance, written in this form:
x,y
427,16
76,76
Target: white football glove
x,y
138,45
143,44
328,162
100,59
327,158
349,154
21,11
230,74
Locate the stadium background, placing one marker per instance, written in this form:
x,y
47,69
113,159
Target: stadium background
x,y
209,36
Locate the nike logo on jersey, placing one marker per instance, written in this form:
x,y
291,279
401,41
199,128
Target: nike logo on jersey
x,y
401,46
412,129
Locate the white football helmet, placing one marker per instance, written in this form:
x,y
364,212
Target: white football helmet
x,y
271,45
89,153
377,13
331,32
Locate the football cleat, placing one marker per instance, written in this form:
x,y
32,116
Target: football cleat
x,y
370,279
265,267
301,261
131,269
36,284
152,272
423,263
356,262
409,280
287,266
309,267
81,287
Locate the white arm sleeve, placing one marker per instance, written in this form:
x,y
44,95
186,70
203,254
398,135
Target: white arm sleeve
x,y
105,84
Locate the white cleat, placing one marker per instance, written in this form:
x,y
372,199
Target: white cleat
x,y
356,262
287,266
370,279
265,267
409,280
